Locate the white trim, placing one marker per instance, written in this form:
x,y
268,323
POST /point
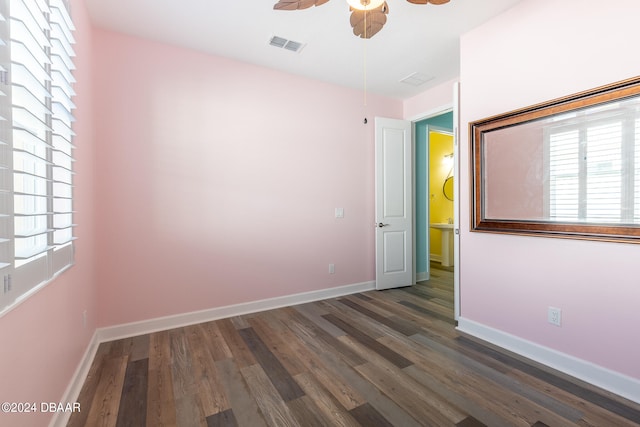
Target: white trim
x,y
456,200
176,321
607,379
437,111
31,292
415,276
77,381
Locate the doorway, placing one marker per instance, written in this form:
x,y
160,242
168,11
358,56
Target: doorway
x,y
416,253
434,209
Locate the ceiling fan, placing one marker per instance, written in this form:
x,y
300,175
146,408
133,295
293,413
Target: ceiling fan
x,y
367,16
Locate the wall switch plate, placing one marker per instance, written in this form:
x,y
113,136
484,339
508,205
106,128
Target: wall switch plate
x,y
554,316
332,268
339,212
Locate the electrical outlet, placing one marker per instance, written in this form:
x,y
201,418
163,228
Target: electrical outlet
x,y
332,268
554,316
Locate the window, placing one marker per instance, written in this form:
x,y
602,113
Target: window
x,y
36,151
594,167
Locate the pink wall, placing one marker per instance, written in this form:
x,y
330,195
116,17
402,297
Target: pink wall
x,y
507,282
42,340
217,181
430,101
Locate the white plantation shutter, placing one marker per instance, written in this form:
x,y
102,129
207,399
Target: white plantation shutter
x,y
604,173
62,120
564,175
37,157
594,167
31,111
6,196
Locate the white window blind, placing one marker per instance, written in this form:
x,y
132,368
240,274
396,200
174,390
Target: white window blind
x,y
37,155
594,167
564,175
604,173
62,119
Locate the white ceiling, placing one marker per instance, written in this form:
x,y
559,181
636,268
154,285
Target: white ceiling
x,y
416,38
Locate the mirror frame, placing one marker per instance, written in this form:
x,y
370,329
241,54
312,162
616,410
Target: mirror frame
x,y
574,230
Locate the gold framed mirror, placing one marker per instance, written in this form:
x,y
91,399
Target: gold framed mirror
x,y
567,168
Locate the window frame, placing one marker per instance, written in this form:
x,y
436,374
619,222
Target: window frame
x,y
22,148
628,167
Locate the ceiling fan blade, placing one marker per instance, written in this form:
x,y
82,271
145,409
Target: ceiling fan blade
x,y
297,4
367,26
428,1
286,5
372,29
357,20
304,4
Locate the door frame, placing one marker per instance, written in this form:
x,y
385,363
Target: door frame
x,y
445,108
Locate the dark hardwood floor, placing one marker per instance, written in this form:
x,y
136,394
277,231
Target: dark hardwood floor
x,y
390,358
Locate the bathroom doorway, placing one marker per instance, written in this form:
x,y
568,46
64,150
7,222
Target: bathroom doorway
x,y
434,215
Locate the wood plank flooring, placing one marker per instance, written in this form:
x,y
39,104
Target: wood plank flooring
x,y
389,358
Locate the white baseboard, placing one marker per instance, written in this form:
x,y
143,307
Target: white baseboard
x,y
126,330
111,333
72,392
607,379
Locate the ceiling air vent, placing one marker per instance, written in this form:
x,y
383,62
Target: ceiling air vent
x,y
416,79
283,43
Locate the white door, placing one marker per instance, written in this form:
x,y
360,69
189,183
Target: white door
x,y
394,210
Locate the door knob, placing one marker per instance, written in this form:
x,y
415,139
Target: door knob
x,y
380,225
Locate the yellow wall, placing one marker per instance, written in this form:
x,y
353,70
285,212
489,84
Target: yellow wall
x,y
440,208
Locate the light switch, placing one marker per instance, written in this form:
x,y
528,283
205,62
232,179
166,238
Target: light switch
x,y
339,212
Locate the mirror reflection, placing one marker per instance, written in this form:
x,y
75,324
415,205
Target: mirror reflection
x,y
447,188
580,166
572,161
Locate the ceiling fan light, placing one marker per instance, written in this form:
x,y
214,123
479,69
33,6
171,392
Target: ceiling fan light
x,y
365,4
